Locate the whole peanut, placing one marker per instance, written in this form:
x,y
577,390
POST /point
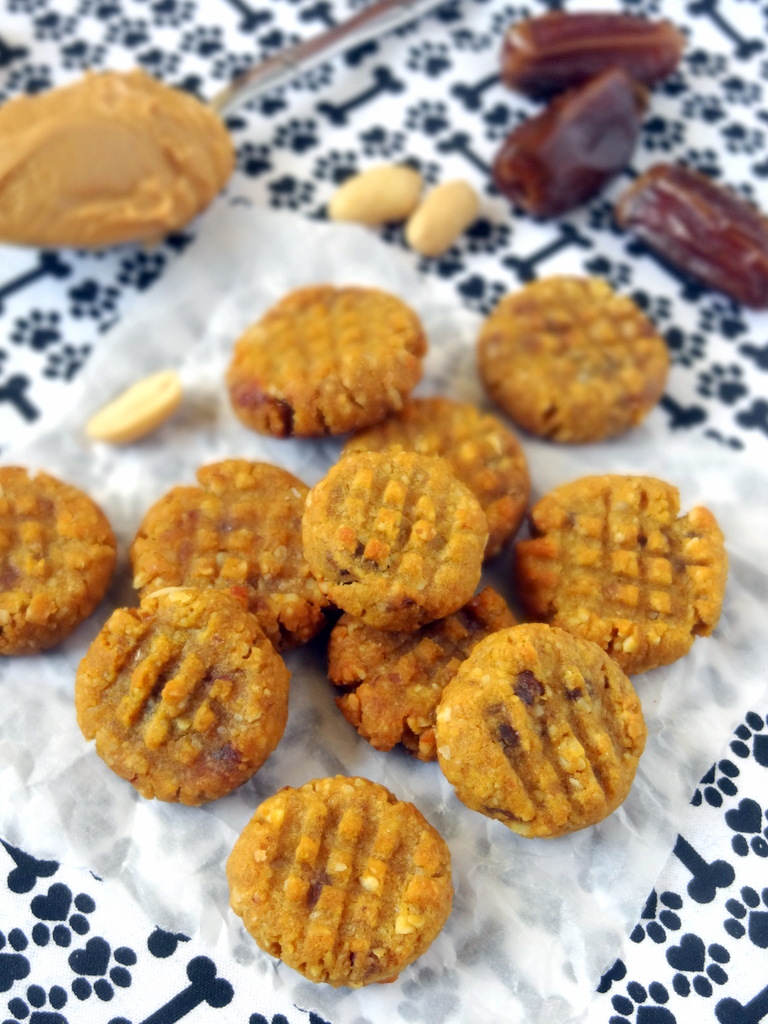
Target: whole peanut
x,y
381,194
138,410
441,217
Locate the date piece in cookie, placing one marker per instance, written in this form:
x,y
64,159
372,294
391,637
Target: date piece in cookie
x,y
394,539
569,359
326,360
241,528
341,880
612,559
57,556
185,696
480,450
394,681
540,730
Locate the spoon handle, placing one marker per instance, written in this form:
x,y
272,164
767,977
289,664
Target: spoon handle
x,y
372,20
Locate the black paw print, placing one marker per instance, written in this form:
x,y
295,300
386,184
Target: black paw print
x,y
661,134
617,274
499,121
616,972
740,139
485,236
159,63
141,269
53,25
14,966
431,58
690,957
381,142
91,299
204,40
758,355
92,961
56,906
480,294
704,107
752,731
739,90
297,135
66,362
706,161
336,166
171,12
37,331
288,192
471,42
253,159
29,79
756,417
757,919
82,54
747,820
229,65
685,347
636,1004
657,307
129,32
314,79
722,382
705,64
713,785
32,1010
428,117
723,317
655,922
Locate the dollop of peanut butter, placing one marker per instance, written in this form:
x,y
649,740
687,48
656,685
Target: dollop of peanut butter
x,y
115,157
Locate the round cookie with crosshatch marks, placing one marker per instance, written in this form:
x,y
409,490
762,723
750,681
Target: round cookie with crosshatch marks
x,y
571,360
394,538
341,880
239,529
393,682
540,730
480,450
57,556
326,360
185,696
612,559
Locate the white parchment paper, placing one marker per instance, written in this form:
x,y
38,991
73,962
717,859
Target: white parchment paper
x,y
535,922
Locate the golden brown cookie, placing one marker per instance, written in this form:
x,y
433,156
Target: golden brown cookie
x,y
612,559
341,880
393,681
540,730
326,360
57,555
480,450
569,359
394,539
184,696
241,528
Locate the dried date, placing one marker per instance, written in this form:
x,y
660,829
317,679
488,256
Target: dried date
x,y
546,54
563,156
701,228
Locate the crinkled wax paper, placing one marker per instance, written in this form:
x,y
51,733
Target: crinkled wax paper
x,y
535,922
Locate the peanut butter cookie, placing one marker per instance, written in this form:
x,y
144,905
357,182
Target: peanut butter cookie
x,y
341,880
394,681
241,528
540,730
57,555
326,360
394,539
612,559
569,359
480,450
184,696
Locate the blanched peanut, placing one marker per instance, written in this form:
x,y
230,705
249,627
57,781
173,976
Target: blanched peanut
x,y
445,213
137,411
386,193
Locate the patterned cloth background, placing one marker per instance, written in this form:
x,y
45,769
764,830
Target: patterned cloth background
x,y
427,94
